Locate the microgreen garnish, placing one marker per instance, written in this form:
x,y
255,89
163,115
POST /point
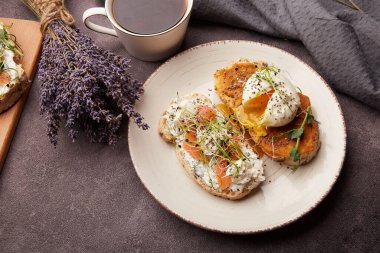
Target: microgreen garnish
x,y
8,41
209,176
296,134
215,138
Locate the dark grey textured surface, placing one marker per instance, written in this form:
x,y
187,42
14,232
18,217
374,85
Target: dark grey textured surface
x,y
88,198
344,43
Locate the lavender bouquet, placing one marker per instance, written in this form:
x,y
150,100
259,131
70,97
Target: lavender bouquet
x,y
82,85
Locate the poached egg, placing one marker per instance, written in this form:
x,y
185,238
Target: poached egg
x,y
269,100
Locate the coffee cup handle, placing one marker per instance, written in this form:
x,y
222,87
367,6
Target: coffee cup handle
x,y
97,28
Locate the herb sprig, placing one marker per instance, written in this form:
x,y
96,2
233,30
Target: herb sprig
x,y
297,134
350,4
220,125
8,41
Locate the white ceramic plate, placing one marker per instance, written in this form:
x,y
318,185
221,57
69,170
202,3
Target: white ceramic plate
x,y
284,196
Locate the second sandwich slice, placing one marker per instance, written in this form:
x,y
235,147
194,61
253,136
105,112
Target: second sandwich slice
x,y
211,146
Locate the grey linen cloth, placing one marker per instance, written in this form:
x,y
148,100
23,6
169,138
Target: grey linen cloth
x,y
344,43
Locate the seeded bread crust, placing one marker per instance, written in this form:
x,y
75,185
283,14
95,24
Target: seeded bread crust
x,y
14,93
164,131
227,194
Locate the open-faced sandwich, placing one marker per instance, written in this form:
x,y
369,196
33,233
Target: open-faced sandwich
x,y
13,81
211,146
278,117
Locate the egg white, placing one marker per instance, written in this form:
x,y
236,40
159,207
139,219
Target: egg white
x,y
282,106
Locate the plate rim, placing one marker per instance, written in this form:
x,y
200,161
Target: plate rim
x,y
309,209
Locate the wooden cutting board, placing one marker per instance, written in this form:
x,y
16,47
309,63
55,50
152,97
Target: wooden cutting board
x,y
29,38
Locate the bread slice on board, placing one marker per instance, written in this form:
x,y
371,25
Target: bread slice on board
x,y
12,85
14,93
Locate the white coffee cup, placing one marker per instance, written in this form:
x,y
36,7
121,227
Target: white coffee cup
x,y
146,47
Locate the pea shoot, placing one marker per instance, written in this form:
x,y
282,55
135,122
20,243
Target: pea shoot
x,y
296,134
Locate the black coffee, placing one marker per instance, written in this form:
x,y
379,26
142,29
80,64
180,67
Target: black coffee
x,y
148,16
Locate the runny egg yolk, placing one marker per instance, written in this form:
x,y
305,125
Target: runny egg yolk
x,y
251,112
224,109
256,106
269,99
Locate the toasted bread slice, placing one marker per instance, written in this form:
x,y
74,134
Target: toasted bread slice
x,y
180,152
227,194
277,145
229,84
